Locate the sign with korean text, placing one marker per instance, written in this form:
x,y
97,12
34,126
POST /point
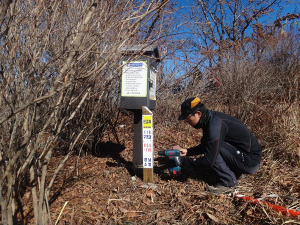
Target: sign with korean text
x,y
134,79
147,141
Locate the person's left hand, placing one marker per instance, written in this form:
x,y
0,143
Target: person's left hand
x,y
176,161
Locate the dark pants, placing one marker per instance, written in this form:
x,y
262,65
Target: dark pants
x,y
231,163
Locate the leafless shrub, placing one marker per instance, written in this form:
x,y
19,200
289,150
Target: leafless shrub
x,y
60,79
264,94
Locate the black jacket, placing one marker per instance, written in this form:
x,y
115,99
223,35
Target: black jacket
x,y
217,129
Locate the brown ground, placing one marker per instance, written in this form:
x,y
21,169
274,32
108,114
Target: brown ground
x,y
101,188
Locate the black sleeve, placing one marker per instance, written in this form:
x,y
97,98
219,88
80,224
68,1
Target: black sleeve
x,y
211,145
194,150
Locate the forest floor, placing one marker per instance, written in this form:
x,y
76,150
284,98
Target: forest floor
x,y
102,188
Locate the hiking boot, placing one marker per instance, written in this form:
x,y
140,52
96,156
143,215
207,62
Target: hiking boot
x,y
220,189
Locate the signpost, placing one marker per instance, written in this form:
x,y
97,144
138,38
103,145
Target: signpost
x,y
148,150
138,90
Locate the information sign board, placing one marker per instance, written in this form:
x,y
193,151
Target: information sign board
x,y
134,79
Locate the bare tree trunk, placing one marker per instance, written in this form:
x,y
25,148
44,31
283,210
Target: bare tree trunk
x,y
3,208
34,195
42,205
10,197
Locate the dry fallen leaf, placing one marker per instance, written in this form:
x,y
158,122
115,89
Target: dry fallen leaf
x,y
110,209
150,194
182,190
249,194
158,192
285,182
283,171
220,208
159,214
131,214
222,197
212,217
249,212
147,201
123,210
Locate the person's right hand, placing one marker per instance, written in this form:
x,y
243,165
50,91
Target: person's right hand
x,y
183,151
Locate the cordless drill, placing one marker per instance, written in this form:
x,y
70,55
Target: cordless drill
x,y
169,153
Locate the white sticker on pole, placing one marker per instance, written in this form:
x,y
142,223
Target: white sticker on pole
x,y
152,92
134,79
147,141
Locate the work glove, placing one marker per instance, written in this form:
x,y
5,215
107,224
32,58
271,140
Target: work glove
x,y
176,160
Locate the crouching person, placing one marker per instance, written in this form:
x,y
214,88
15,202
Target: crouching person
x,y
229,148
